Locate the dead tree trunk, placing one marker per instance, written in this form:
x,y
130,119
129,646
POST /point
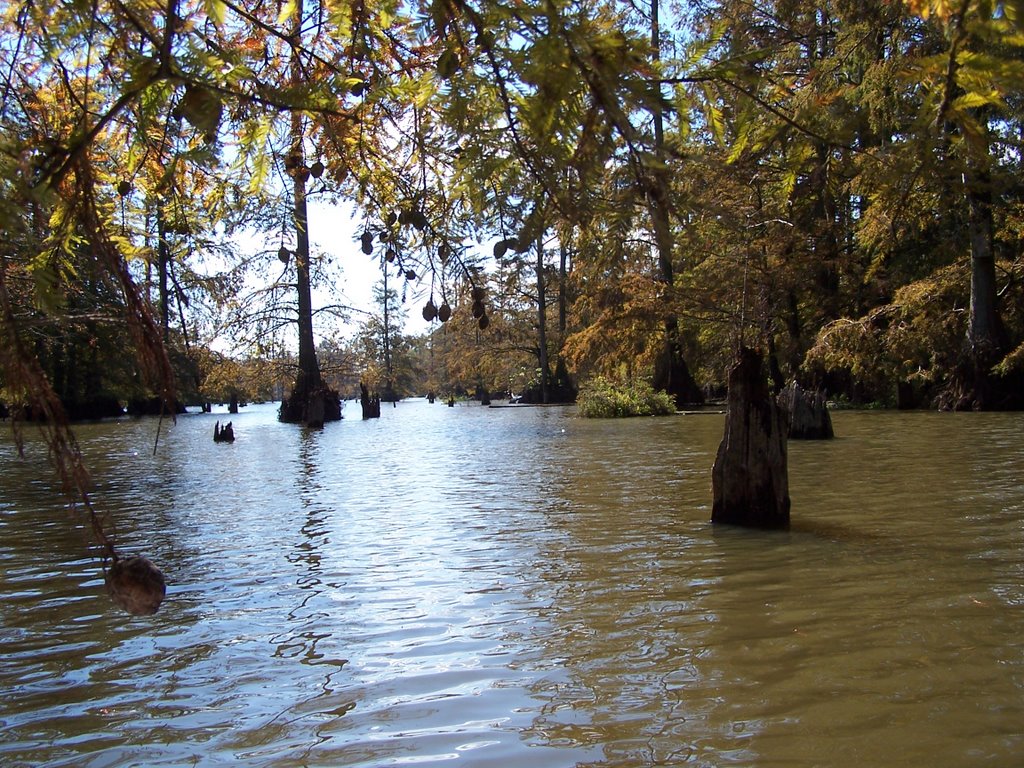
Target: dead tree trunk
x,y
750,479
370,405
807,413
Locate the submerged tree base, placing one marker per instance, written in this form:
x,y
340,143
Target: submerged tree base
x,y
807,413
672,375
984,381
310,406
750,479
370,404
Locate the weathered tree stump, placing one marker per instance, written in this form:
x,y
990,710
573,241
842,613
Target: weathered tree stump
x,y
225,434
750,479
371,405
807,412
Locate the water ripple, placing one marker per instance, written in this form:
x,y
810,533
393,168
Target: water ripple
x,y
519,587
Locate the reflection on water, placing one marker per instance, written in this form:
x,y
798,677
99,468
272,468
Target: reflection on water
x,y
516,587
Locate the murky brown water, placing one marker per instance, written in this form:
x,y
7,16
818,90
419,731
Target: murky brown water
x,y
519,587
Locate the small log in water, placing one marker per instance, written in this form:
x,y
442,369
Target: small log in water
x,y
750,479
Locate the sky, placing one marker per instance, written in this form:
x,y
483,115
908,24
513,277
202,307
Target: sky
x,y
334,230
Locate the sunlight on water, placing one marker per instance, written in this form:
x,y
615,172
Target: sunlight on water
x,y
519,587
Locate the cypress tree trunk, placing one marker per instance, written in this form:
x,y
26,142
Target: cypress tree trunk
x,y
542,325
311,402
671,373
750,479
807,413
163,256
984,344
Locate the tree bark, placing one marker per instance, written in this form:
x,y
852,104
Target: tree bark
x,y
671,373
163,255
542,325
974,385
311,402
807,413
750,478
370,405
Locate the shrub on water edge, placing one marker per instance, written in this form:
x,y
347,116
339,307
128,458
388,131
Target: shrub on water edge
x,y
603,399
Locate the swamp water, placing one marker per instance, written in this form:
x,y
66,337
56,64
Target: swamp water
x,y
518,587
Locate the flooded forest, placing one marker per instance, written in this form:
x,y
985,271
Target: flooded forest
x,y
316,316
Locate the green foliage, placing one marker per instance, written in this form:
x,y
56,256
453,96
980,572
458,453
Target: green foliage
x,y
601,398
915,339
753,181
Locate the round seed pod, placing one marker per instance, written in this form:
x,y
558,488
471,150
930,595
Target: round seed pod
x,y
136,585
410,275
478,293
500,248
389,257
447,64
444,252
367,241
429,310
444,313
124,188
478,309
392,218
485,41
316,170
202,108
418,220
283,254
483,321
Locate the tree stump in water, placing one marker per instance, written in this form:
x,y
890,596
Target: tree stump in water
x,y
750,479
136,585
371,405
807,413
223,435
310,404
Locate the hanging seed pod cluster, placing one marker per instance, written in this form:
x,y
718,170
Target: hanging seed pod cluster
x,y
432,312
412,215
479,310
